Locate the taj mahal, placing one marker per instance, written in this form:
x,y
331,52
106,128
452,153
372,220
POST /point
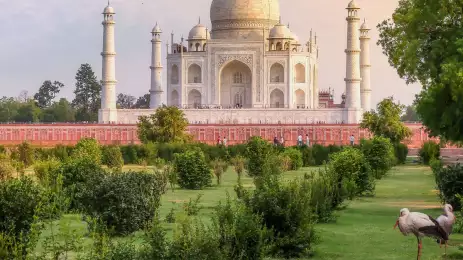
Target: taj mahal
x,y
248,68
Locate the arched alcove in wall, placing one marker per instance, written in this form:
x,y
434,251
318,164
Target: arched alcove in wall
x,y
236,85
174,74
277,73
277,99
299,72
194,99
174,98
194,74
300,98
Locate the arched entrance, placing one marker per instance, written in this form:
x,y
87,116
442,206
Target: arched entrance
x,y
236,85
194,99
174,100
277,99
300,98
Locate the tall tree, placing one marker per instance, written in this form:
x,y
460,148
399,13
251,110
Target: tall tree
x,y
410,114
61,111
386,122
28,112
424,42
125,101
47,93
87,99
8,109
143,102
167,125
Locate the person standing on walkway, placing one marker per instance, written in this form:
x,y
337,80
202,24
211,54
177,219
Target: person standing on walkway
x,y
352,140
299,140
282,142
224,141
307,140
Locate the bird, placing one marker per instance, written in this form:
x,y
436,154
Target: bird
x,y
446,221
421,225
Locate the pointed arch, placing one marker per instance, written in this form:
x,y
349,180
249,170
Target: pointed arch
x,y
194,99
194,74
277,73
299,72
174,99
277,99
300,98
174,75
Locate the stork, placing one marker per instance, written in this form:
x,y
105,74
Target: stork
x,y
421,225
446,221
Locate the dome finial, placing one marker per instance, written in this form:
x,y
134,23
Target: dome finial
x,y
199,20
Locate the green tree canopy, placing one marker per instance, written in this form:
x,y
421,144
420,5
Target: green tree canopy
x,y
386,122
167,125
410,114
424,43
47,93
88,98
125,101
60,111
143,102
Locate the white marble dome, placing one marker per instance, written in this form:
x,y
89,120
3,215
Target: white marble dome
x,y
199,32
280,31
108,10
156,29
353,5
243,19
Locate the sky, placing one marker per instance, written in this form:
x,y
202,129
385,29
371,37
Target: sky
x,y
50,39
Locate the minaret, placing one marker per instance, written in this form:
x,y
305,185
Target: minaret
x,y
365,67
353,79
156,69
108,111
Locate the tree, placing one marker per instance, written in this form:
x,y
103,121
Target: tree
x,y
47,93
88,99
143,102
167,125
386,122
410,114
8,109
423,41
125,101
28,112
61,111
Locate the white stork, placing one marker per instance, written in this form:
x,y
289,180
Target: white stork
x,y
446,221
421,225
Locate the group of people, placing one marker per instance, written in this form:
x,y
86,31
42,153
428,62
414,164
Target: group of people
x,y
281,141
222,141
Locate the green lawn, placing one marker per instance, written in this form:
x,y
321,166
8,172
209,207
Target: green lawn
x,y
364,230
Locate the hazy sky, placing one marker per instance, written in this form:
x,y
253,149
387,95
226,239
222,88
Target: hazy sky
x,y
49,39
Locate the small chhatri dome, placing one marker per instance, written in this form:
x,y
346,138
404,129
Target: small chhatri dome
x,y
199,32
156,29
108,9
280,31
364,25
353,5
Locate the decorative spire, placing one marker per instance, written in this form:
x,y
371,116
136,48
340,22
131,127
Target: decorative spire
x,y
279,21
199,20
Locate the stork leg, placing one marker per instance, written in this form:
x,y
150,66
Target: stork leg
x,y
445,252
418,257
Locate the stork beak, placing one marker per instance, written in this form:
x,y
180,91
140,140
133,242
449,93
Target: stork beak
x,y
396,223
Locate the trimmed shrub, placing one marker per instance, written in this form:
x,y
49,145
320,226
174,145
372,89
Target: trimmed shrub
x,y
258,152
26,154
240,231
112,157
61,152
401,152
218,167
44,169
296,158
129,153
320,154
430,150
351,165
238,163
192,170
124,202
7,170
89,149
379,153
18,201
77,176
323,192
286,210
449,182
307,156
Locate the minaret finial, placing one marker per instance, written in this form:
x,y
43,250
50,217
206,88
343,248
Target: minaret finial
x,y
279,20
108,3
199,20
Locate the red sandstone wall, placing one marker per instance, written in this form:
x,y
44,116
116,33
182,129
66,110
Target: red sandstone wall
x,y
69,134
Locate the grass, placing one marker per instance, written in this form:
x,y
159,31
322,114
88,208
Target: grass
x,y
362,231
